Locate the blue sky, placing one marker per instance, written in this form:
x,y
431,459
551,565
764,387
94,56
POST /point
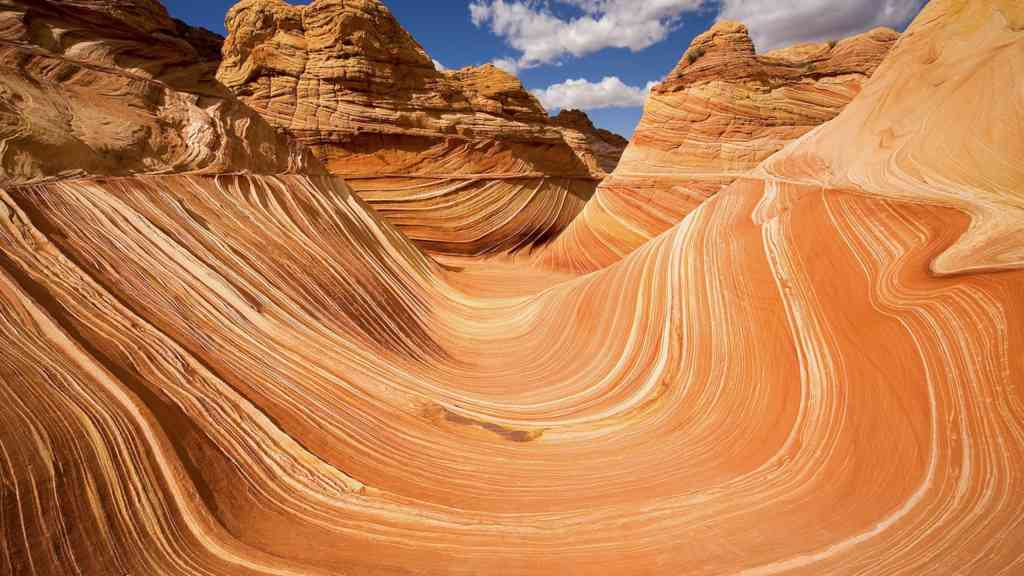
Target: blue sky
x,y
598,54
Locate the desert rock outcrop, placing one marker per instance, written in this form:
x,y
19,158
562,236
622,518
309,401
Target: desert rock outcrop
x,y
721,112
926,132
117,87
464,162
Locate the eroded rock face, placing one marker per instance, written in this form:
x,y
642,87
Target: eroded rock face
x,y
118,87
607,146
716,116
464,161
943,123
254,375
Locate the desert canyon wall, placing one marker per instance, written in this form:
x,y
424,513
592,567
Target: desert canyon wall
x,y
819,369
464,162
716,116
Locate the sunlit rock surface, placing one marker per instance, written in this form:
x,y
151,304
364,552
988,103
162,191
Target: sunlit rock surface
x,y
944,125
118,87
245,374
464,162
722,111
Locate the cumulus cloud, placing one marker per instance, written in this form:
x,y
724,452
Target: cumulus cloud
x,y
532,28
509,65
611,92
775,24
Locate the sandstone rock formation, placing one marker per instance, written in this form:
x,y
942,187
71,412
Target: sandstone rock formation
x,y
927,132
238,374
722,111
117,87
464,162
605,145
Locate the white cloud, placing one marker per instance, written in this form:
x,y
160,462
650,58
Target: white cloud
x,y
774,24
507,64
530,27
611,92
440,67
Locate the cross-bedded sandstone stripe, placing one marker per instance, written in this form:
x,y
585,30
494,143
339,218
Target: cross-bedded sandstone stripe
x,y
477,215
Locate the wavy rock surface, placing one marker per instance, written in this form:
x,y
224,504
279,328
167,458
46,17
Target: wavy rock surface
x,y
926,133
722,111
465,162
243,374
117,87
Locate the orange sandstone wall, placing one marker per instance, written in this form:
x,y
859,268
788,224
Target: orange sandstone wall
x,y
722,111
465,162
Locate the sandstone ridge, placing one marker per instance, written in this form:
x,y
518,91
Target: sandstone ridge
x,y
464,161
717,115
